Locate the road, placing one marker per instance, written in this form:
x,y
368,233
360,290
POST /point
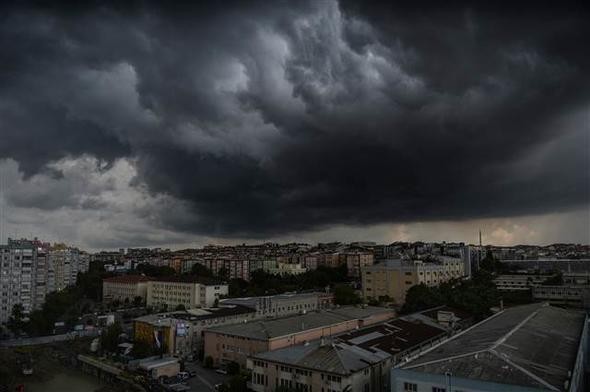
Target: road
x,y
205,379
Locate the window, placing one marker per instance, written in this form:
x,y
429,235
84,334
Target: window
x,y
410,387
438,389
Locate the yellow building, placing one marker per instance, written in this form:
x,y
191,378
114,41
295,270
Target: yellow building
x,y
124,288
393,278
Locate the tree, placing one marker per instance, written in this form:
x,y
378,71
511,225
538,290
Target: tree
x,y
109,339
180,307
223,273
233,368
137,301
208,362
15,322
345,295
420,297
201,271
141,349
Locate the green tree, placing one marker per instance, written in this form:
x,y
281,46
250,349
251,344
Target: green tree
x,y
233,368
142,349
109,338
420,297
15,322
137,301
345,295
201,271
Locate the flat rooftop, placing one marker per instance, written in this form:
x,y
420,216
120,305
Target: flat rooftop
x,y
393,337
269,329
196,314
531,345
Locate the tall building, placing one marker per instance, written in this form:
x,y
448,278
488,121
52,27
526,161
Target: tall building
x,y
31,269
17,276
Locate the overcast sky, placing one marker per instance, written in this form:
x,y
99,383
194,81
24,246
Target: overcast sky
x,y
151,125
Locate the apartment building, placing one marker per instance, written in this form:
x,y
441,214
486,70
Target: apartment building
x,y
287,304
282,268
393,278
520,282
234,343
17,276
124,288
356,260
188,291
234,268
30,269
66,263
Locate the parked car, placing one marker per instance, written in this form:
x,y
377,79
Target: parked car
x,y
184,375
221,371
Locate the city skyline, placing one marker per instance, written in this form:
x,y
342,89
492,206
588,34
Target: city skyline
x,y
178,126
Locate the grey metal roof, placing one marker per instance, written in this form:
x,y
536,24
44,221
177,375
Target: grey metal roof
x,y
531,345
340,358
268,329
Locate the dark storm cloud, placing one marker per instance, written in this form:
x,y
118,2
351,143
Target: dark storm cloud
x,y
266,119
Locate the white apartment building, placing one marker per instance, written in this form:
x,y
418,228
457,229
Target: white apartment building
x,y
29,271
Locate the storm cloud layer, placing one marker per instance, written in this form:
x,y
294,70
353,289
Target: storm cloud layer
x,y
268,118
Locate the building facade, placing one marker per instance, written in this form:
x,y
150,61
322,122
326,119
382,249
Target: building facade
x,y
125,288
185,291
393,278
285,304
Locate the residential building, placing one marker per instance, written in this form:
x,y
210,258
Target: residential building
x,y
393,278
528,348
356,259
124,288
285,304
17,277
233,343
188,291
66,263
274,267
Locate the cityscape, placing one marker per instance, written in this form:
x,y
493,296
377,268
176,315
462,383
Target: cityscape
x,y
294,196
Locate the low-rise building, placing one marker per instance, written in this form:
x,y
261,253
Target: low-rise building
x,y
528,348
320,365
182,332
188,291
520,282
393,278
563,295
233,343
287,304
124,288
